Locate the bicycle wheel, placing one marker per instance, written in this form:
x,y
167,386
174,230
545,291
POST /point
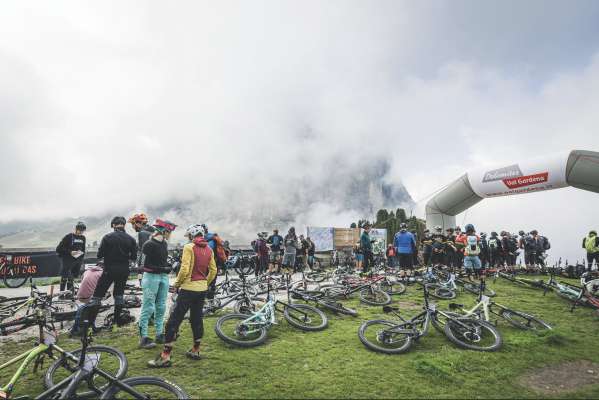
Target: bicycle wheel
x,y
337,307
63,310
440,291
231,329
110,360
316,276
378,335
393,287
305,317
525,321
334,292
11,277
146,387
374,297
473,334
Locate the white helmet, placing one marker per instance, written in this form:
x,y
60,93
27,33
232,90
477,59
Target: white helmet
x,y
194,230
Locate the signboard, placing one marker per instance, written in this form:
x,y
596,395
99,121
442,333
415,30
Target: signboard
x,y
345,237
528,176
380,240
323,238
40,264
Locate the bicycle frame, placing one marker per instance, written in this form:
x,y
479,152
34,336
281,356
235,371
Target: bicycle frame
x,y
27,357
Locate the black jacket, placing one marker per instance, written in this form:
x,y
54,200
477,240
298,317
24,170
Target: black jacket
x,y
156,256
117,249
142,237
71,242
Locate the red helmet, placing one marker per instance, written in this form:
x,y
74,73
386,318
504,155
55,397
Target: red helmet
x,y
164,226
141,217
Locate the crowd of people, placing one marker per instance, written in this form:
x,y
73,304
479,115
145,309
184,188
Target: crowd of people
x,y
205,252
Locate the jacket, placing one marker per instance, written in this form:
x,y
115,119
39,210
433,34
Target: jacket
x,y
198,266
142,237
90,279
117,249
69,243
591,244
365,243
155,256
404,242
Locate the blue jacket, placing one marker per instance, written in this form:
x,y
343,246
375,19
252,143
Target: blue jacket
x,y
404,242
210,239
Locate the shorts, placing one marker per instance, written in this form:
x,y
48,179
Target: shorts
x,y
275,256
360,257
288,260
472,262
406,261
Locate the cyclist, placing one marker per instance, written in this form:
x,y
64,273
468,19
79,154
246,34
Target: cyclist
x,y
155,282
366,248
291,246
262,253
275,241
541,244
415,260
71,251
88,284
198,270
494,250
118,249
459,247
438,246
404,243
311,252
139,222
450,248
484,250
390,254
427,247
220,256
302,253
591,245
471,242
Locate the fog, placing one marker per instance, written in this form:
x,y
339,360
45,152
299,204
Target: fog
x,y
240,111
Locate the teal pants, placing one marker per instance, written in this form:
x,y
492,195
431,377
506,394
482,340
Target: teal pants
x,y
155,291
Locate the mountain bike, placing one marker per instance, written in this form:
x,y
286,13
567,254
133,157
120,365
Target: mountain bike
x,y
251,330
441,289
85,374
485,307
111,359
523,282
321,300
245,300
587,296
566,290
396,337
369,291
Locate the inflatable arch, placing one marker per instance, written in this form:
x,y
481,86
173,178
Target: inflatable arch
x,y
577,168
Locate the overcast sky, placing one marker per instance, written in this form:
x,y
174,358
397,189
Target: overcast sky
x,y
108,105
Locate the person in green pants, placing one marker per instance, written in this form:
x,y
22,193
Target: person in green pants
x,y
155,283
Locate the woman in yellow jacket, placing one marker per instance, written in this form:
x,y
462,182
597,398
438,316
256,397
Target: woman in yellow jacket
x,y
198,269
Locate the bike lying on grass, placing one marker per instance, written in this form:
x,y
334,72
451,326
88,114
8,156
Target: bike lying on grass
x,y
396,337
485,307
251,330
369,289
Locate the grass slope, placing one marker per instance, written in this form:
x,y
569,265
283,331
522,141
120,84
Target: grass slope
x,y
334,364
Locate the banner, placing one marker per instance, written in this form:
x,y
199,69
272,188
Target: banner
x,y
528,176
323,238
380,240
40,264
346,237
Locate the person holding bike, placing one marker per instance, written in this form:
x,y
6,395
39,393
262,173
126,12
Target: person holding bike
x,y
71,251
405,243
155,282
198,270
591,245
275,241
118,249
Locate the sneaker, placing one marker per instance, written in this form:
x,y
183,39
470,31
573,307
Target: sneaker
x,y
146,343
160,339
194,355
160,362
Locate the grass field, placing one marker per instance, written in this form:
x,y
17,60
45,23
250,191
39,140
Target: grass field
x,y
334,363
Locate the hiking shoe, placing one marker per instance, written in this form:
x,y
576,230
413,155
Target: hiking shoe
x,y
146,343
160,362
193,355
160,339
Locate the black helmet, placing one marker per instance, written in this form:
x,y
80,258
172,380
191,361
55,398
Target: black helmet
x,y
493,233
80,226
534,232
469,228
118,221
593,232
521,233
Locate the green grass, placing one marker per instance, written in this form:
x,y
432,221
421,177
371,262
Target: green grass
x,y
334,363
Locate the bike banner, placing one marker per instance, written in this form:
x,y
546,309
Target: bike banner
x,y
323,238
532,175
41,264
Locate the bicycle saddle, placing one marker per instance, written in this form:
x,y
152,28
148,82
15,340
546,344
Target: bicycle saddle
x,y
388,309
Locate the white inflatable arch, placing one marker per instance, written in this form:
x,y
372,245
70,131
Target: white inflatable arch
x,y
577,168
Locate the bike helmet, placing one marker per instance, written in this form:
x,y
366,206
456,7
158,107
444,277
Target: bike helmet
x,y
194,230
521,233
205,227
141,217
403,225
438,228
534,232
469,228
593,233
164,226
493,233
80,226
118,221
458,229
483,234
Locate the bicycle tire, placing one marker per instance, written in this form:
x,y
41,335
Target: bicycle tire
x,y
374,301
393,288
10,281
70,366
114,391
525,321
295,322
337,307
316,276
452,327
440,292
334,292
375,347
218,329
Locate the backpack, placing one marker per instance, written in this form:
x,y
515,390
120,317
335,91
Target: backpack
x,y
219,249
493,243
512,245
546,244
472,248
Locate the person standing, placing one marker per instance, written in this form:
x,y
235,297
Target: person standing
x,y
303,253
427,247
198,270
154,283
275,241
366,248
262,254
118,249
494,250
139,222
71,251
291,245
451,248
404,243
311,252
591,245
438,247
471,247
